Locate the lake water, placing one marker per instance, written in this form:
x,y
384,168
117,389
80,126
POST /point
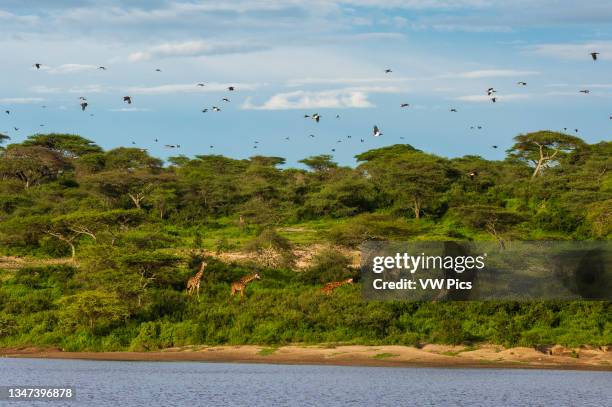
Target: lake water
x,y
101,383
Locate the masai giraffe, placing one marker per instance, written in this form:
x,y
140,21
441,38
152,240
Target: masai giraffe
x,y
193,284
241,284
330,287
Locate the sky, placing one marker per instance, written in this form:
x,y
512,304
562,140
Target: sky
x,y
290,58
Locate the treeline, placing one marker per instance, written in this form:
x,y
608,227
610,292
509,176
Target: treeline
x,y
135,227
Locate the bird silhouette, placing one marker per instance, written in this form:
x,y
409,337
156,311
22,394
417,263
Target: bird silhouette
x,y
7,111
83,106
231,88
127,99
494,146
388,70
522,83
491,91
405,105
225,100
103,68
157,70
216,109
376,131
200,84
585,91
594,55
37,65
493,100
453,110
204,110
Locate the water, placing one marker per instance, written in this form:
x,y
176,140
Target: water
x,y
101,383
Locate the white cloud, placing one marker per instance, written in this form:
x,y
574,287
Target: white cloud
x,y
348,81
499,98
194,49
189,88
490,73
71,68
342,98
20,100
5,17
131,109
574,51
95,88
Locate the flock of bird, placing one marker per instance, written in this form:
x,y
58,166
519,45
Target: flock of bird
x,y
491,92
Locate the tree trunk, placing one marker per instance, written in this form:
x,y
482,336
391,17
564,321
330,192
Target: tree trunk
x,y
417,209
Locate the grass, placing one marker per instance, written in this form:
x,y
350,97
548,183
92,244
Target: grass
x,y
384,355
267,351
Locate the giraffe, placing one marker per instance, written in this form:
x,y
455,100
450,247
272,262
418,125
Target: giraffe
x,y
241,284
193,284
329,288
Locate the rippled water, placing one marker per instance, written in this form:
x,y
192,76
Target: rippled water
x,y
101,383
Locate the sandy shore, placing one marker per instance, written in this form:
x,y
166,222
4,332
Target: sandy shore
x,y
487,356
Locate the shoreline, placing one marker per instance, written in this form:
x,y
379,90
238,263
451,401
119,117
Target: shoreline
x,y
434,356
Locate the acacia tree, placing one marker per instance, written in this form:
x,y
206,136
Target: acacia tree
x,y
70,228
32,165
408,176
543,149
151,267
67,145
494,220
3,139
136,185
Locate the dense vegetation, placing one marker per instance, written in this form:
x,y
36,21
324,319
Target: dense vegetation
x,y
137,229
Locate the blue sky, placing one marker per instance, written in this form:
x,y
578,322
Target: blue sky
x,y
288,58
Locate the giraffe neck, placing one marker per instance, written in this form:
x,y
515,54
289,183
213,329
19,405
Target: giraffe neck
x,y
248,279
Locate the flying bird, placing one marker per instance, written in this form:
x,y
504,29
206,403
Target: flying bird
x,y
127,99
491,91
376,131
493,100
157,70
225,100
216,109
522,83
231,88
453,110
312,135
388,70
585,91
204,110
337,116
83,105
594,55
405,105
316,117
200,84
17,128
494,146
102,68
37,66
